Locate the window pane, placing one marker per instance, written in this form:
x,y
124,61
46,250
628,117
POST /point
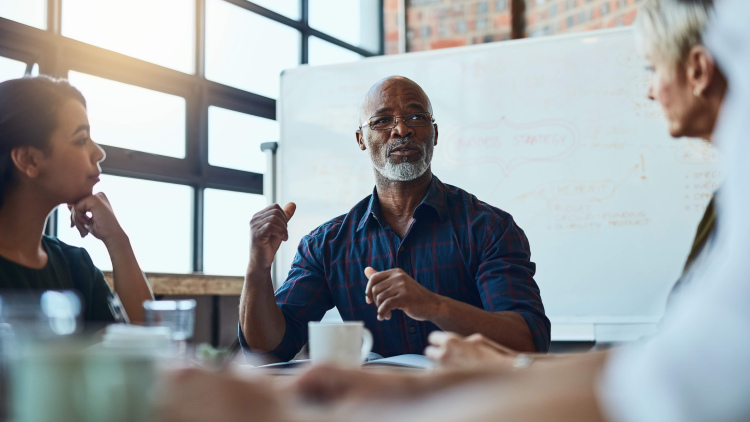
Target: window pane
x,y
132,117
234,139
288,8
11,69
323,52
248,51
27,12
156,216
354,21
157,31
226,237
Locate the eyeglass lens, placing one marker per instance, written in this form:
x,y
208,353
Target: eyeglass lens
x,y
411,120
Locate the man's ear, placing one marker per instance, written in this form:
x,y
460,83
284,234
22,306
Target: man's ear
x,y
27,160
436,133
360,139
700,68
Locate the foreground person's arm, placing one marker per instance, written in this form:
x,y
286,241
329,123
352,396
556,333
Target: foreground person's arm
x,y
556,390
560,390
328,384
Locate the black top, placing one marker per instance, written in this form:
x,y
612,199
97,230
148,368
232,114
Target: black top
x,y
68,268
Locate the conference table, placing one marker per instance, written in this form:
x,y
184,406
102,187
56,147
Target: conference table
x,y
213,286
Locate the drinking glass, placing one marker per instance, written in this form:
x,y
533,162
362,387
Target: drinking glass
x,y
40,315
178,315
28,318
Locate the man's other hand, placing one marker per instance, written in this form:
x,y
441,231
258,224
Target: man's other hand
x,y
394,289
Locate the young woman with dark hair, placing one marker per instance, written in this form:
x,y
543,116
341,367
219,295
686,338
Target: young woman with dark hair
x,y
47,158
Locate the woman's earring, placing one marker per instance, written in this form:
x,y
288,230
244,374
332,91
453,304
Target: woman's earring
x,y
697,92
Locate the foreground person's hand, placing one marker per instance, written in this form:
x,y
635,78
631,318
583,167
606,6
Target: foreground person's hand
x,y
452,350
195,395
326,384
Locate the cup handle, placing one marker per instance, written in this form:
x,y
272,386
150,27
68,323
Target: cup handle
x,y
366,343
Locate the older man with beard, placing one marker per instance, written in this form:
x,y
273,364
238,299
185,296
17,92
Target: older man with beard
x,y
414,257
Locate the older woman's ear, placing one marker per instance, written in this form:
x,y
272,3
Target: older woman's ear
x,y
701,70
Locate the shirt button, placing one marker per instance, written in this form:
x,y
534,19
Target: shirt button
x,y
401,249
413,330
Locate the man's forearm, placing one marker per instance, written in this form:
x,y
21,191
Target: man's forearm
x,y
261,319
129,282
506,328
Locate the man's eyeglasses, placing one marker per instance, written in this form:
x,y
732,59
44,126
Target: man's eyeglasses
x,y
389,122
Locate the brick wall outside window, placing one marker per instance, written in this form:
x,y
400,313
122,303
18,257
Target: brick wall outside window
x,y
432,24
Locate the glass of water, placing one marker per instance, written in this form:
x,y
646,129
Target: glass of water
x,y
29,320
178,315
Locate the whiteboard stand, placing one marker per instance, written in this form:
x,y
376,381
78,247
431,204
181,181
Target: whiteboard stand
x,y
269,187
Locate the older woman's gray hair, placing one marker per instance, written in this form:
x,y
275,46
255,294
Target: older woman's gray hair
x,y
666,30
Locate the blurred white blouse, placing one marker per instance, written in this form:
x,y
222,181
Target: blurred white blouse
x,y
698,367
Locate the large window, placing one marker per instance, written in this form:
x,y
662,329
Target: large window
x,y
156,216
157,31
323,52
131,117
353,21
181,94
234,139
227,242
11,69
27,12
233,53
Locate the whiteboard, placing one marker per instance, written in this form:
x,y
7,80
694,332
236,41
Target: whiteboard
x,y
556,131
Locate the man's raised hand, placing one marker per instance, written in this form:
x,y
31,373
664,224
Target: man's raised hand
x,y
268,228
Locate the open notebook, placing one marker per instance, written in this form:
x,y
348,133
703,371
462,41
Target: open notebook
x,y
408,361
405,361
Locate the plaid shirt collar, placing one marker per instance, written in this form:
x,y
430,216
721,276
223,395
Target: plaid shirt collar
x,y
435,199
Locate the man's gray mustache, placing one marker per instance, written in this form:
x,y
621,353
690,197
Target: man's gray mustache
x,y
405,141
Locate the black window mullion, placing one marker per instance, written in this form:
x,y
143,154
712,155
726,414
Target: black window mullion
x,y
24,43
381,27
197,142
305,50
244,4
54,16
198,227
200,38
238,100
342,44
54,65
305,16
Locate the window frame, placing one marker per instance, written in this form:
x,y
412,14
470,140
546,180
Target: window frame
x,y
56,55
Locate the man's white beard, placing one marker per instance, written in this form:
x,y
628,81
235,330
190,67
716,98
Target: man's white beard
x,y
403,171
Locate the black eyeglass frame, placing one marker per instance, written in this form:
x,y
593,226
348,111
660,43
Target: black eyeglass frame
x,y
395,120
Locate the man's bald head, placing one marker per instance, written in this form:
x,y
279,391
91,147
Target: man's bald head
x,y
386,89
403,152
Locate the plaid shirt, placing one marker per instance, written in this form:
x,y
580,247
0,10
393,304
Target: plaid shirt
x,y
458,247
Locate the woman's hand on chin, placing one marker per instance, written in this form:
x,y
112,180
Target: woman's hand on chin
x,y
93,214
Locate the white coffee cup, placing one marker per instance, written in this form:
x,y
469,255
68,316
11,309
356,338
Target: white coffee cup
x,y
344,344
